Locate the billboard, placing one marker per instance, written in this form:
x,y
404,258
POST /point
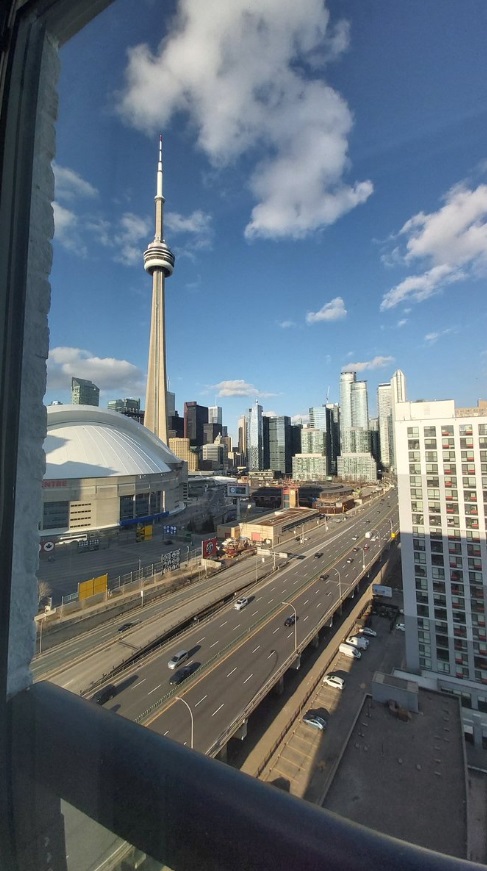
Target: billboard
x,y
241,490
208,548
380,590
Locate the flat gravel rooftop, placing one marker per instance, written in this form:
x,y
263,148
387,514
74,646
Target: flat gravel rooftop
x,y
406,779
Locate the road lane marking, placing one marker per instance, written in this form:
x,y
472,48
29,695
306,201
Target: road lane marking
x,y
246,679
166,733
201,700
201,639
218,709
155,688
305,618
276,630
214,644
271,654
254,613
139,683
290,635
270,600
258,598
236,627
305,603
256,649
230,673
223,624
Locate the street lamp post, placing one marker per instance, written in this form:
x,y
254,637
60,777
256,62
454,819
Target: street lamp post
x,y
290,604
179,699
339,581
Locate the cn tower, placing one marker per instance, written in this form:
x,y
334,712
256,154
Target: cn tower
x,y
158,262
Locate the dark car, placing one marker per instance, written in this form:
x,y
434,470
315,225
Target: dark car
x,y
318,554
324,577
290,621
182,673
168,541
125,626
105,694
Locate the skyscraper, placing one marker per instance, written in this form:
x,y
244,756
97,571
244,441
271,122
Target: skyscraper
x,y
215,414
158,262
384,412
84,392
195,417
354,414
255,438
442,483
280,457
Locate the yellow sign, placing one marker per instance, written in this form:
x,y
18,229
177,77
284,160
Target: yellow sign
x,y
93,587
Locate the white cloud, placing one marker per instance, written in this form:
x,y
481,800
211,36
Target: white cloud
x,y
331,311
431,338
69,185
402,322
106,372
375,363
452,242
198,226
240,73
285,325
239,387
67,230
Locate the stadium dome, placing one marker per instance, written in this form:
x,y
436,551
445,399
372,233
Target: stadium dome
x,y
103,471
84,441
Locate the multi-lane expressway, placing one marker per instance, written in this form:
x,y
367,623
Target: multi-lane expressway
x,y
241,654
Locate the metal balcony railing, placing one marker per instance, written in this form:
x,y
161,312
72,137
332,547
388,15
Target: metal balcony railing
x,y
172,803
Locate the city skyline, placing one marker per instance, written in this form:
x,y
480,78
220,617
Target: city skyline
x,y
333,221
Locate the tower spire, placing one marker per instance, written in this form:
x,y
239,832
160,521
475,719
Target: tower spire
x,y
158,262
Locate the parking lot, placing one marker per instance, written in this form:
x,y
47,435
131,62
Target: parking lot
x,y
306,759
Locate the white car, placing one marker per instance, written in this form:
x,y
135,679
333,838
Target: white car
x,y
241,603
401,627
366,630
332,680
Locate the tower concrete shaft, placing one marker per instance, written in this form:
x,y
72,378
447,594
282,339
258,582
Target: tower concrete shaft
x,y
158,262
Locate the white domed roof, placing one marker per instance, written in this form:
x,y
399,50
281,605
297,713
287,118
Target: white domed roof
x,y
84,441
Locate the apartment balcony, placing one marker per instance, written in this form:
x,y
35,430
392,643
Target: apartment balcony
x,y
172,804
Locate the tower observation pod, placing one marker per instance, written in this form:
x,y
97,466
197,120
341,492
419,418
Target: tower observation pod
x,y
158,262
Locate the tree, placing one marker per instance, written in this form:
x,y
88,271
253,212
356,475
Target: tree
x,y
43,591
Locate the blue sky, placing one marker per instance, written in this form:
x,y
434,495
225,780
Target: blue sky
x,y
325,176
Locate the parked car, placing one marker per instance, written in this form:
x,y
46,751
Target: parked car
x,y
182,673
318,554
290,621
105,694
324,577
178,659
358,641
241,603
313,719
350,651
366,630
332,680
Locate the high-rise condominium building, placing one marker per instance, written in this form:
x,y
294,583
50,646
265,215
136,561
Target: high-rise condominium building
x,y
255,438
354,414
280,456
215,414
384,411
332,436
388,394
318,417
313,441
84,392
441,456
